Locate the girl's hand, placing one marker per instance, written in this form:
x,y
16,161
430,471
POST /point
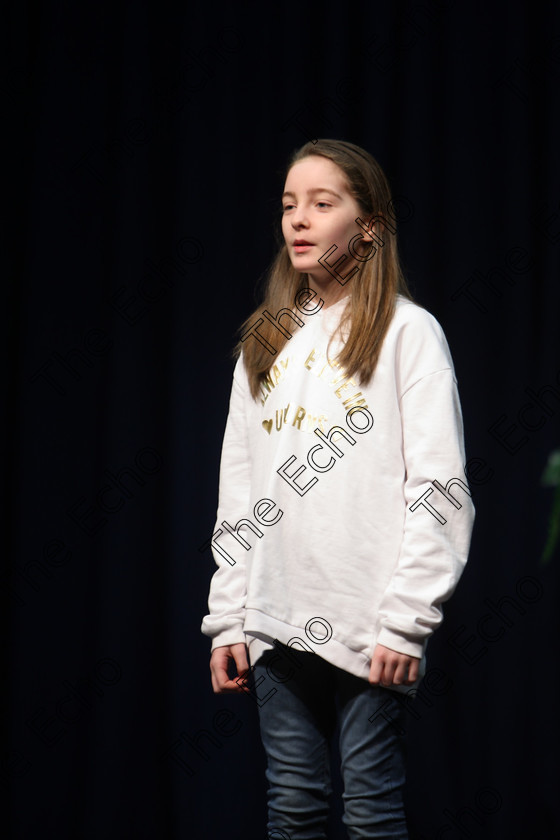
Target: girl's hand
x,y
219,664
389,667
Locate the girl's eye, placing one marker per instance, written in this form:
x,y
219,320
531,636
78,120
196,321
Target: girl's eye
x,y
287,207
323,204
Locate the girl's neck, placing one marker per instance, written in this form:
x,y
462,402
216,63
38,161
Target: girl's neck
x,y
330,293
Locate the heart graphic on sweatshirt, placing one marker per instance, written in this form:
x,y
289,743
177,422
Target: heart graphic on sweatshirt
x,y
267,424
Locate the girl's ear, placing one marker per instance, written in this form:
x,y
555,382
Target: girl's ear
x,y
370,221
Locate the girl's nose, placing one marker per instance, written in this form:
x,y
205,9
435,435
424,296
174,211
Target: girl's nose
x,y
299,218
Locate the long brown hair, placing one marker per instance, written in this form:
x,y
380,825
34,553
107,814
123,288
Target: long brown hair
x,y
373,290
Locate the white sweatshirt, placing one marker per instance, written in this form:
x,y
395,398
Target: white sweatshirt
x,y
366,530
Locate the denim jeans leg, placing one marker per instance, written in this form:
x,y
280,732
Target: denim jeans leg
x,y
296,724
373,755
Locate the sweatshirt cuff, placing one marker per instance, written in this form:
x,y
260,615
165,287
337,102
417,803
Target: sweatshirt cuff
x,y
402,644
234,636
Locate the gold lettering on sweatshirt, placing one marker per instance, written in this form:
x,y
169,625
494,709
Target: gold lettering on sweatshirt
x,y
302,420
281,416
354,402
314,422
329,371
343,387
300,414
341,379
273,377
310,358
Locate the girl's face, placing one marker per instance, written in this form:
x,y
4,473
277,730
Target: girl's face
x,y
319,212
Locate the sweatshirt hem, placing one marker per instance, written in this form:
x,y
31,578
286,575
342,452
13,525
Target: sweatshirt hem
x,y
264,630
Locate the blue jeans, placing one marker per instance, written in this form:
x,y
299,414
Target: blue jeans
x,y
297,722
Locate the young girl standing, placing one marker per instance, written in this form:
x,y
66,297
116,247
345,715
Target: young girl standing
x,y
344,518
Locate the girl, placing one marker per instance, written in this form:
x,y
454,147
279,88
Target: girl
x,y
343,521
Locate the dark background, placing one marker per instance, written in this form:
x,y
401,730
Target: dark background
x,y
143,182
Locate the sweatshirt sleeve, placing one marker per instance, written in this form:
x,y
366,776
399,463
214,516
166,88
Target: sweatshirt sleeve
x,y
228,588
439,511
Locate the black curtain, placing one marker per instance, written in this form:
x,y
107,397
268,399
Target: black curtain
x,y
142,187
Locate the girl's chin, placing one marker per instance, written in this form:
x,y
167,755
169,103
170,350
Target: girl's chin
x,y
302,267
